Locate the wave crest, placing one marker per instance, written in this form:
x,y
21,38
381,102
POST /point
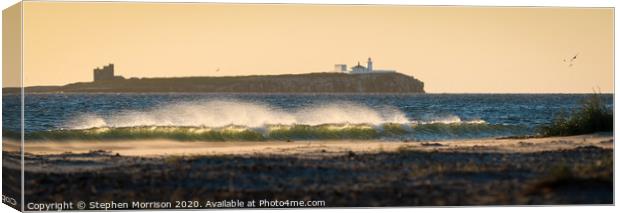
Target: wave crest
x,y
389,131
220,113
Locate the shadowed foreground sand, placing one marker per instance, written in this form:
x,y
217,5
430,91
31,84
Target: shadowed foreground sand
x,y
553,170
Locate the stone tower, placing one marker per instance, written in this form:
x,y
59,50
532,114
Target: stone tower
x,y
103,74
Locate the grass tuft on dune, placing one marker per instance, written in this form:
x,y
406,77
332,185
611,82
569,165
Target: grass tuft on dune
x,y
592,116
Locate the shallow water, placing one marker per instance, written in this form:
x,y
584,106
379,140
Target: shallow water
x,y
222,117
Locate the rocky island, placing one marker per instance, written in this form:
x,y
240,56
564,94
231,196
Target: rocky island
x,y
324,82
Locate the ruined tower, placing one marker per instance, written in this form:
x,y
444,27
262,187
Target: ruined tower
x,y
103,74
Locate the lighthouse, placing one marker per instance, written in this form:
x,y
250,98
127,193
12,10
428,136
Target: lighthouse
x,y
360,69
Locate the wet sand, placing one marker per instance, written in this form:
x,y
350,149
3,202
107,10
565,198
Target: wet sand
x,y
163,147
552,170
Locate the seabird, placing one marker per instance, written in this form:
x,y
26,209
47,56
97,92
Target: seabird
x,y
571,60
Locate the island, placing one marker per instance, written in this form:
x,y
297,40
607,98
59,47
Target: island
x,y
360,80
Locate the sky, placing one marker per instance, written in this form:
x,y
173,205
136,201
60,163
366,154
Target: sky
x,y
451,49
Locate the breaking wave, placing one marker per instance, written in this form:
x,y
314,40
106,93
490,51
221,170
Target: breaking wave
x,y
232,120
391,131
221,113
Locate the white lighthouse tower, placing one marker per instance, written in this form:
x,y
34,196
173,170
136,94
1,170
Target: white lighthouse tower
x,y
369,67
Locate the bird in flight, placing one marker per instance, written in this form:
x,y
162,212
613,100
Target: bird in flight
x,y
571,60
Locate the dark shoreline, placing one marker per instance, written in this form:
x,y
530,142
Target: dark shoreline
x,y
581,175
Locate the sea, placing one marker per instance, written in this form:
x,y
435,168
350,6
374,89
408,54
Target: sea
x,y
284,117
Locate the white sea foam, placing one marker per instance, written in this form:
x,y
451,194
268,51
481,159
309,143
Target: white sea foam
x,y
219,113
448,119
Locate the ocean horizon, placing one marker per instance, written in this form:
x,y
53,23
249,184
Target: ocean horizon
x,y
266,117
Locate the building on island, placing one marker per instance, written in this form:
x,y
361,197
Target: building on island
x,y
340,68
106,73
359,69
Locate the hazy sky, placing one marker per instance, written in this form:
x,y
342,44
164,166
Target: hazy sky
x,y
451,49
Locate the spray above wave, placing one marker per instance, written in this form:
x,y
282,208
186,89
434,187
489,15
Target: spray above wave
x,y
220,113
226,120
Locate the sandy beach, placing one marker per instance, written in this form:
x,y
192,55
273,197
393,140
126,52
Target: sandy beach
x,y
551,170
155,148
